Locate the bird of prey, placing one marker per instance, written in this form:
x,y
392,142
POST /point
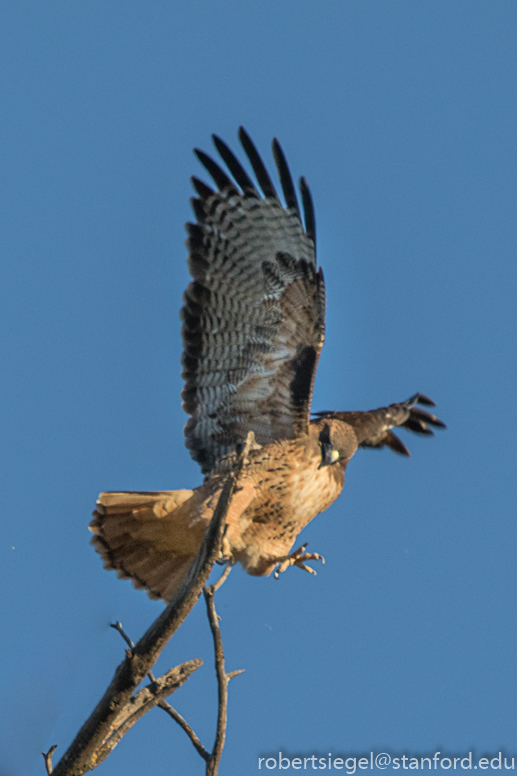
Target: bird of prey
x,y
253,328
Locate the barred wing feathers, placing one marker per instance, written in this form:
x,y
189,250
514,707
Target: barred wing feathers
x,y
253,317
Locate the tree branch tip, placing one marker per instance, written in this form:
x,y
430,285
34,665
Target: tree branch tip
x,y
47,756
235,673
212,589
117,625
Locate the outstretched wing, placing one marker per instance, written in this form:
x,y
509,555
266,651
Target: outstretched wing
x,y
373,428
254,314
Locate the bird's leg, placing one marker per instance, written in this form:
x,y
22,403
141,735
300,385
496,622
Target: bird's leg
x,y
297,558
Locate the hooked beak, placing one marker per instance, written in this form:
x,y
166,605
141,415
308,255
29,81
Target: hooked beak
x,y
329,455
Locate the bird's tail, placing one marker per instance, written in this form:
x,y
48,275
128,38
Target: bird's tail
x,y
151,538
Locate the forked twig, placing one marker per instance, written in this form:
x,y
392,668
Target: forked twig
x,y
212,759
142,702
176,716
47,756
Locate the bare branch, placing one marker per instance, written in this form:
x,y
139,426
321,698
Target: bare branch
x,y
222,685
48,758
222,677
224,576
83,753
118,627
235,673
176,716
145,700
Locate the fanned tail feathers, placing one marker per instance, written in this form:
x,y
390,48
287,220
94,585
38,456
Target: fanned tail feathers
x,y
149,538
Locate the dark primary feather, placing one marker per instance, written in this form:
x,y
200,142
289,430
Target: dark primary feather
x,y
426,417
198,208
425,400
202,189
221,180
285,178
308,210
235,167
259,169
253,317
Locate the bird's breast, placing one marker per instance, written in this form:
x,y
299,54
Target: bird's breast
x,y
288,497
313,489
289,494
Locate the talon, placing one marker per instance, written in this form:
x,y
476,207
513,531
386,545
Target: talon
x,y
297,558
306,568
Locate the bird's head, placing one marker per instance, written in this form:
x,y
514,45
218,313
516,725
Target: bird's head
x,y
337,442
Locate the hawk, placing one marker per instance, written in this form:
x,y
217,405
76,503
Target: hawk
x,y
253,328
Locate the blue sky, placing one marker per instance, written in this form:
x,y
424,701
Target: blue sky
x,y
402,117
